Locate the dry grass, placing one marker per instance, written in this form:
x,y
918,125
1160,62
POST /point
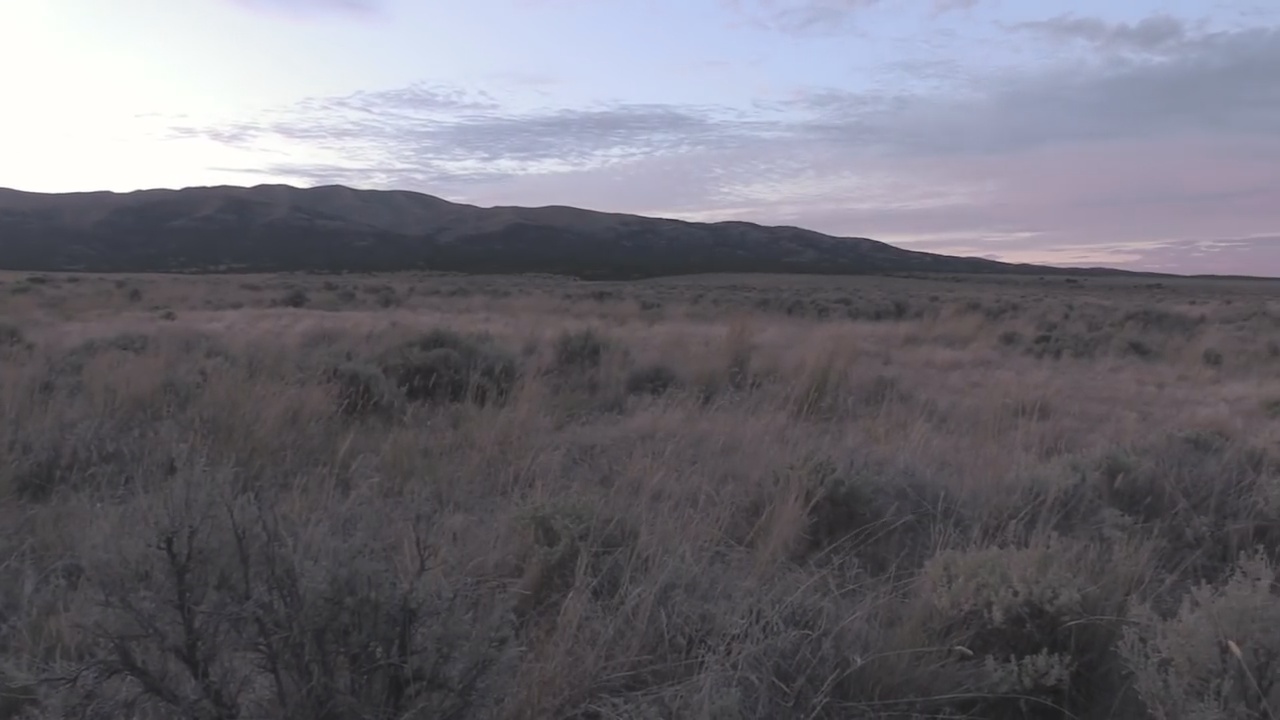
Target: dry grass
x,y
443,497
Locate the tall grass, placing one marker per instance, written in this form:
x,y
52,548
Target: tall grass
x,y
679,499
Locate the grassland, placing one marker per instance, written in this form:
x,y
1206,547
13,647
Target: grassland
x,y
422,496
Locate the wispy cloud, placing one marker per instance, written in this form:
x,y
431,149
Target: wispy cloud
x,y
827,17
1158,33
312,7
1160,133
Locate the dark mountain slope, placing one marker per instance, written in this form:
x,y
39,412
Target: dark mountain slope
x,y
271,228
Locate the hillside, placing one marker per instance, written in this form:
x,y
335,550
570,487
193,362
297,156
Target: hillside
x,y
271,228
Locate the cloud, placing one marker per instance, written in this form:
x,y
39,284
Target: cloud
x,y
1249,256
1221,81
312,7
1158,33
1163,134
443,133
824,17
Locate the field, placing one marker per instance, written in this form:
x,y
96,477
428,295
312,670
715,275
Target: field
x,y
432,496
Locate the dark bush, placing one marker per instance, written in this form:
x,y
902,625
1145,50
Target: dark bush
x,y
389,299
365,390
1197,492
1140,349
882,526
238,622
652,380
132,343
439,374
579,351
1163,321
445,366
295,298
1271,407
1010,337
10,335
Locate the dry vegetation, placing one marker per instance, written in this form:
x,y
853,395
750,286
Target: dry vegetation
x,y
426,496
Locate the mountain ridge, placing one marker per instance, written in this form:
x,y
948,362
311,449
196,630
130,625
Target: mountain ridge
x,y
334,228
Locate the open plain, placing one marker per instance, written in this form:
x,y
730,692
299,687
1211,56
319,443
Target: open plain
x,y
438,496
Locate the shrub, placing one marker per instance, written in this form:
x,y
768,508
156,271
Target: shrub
x,y
1040,621
1079,346
1010,337
103,454
295,298
241,611
389,299
1140,349
1212,357
72,364
579,351
445,366
566,540
1271,407
653,379
436,374
883,525
11,335
1217,656
364,390
134,295
1205,496
1163,321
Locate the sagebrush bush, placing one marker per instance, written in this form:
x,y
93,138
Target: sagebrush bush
x,y
11,335
883,524
363,389
1218,656
246,612
295,298
579,351
1199,492
1041,621
654,379
446,366
570,544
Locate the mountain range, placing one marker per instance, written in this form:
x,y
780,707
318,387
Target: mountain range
x,y
279,228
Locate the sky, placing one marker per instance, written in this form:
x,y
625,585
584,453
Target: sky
x,y
1142,134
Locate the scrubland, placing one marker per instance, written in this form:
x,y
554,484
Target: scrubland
x,y
419,496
